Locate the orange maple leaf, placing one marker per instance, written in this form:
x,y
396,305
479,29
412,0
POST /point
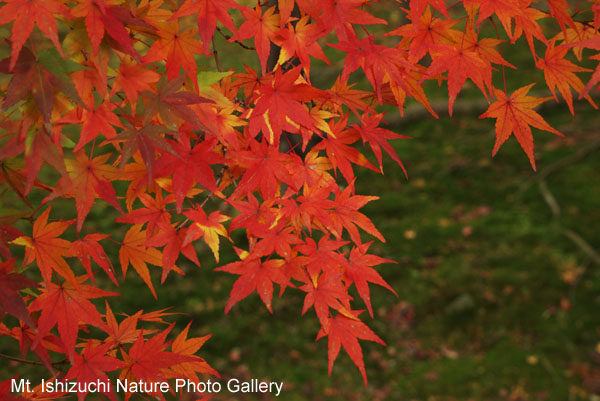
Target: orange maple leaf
x,y
188,347
515,114
125,332
300,40
133,78
133,251
46,249
561,73
177,48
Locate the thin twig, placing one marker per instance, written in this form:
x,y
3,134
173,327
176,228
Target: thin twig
x,y
219,179
583,245
216,54
558,165
572,235
227,37
549,198
417,112
28,362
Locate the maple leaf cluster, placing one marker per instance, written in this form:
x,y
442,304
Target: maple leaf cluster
x,y
128,102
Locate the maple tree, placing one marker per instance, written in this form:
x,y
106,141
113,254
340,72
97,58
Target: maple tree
x,y
129,103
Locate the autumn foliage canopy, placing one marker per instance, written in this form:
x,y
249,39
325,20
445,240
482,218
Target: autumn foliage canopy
x,y
130,106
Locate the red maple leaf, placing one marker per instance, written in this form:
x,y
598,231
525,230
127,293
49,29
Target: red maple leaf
x,y
208,12
209,227
264,167
168,102
339,15
326,292
342,94
7,234
378,62
87,180
87,249
189,165
344,331
360,272
154,213
252,214
10,299
101,17
91,366
320,257
310,210
595,78
339,152
148,360
345,214
65,306
133,78
281,99
28,13
262,27
173,241
147,140
427,31
460,64
378,137
417,7
26,335
32,75
94,121
256,276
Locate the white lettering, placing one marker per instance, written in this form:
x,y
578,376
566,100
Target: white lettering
x,y
121,385
233,385
278,386
21,387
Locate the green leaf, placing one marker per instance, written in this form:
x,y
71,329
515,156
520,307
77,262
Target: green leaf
x,y
53,62
207,78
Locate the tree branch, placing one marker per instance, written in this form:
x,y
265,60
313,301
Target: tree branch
x,y
28,362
